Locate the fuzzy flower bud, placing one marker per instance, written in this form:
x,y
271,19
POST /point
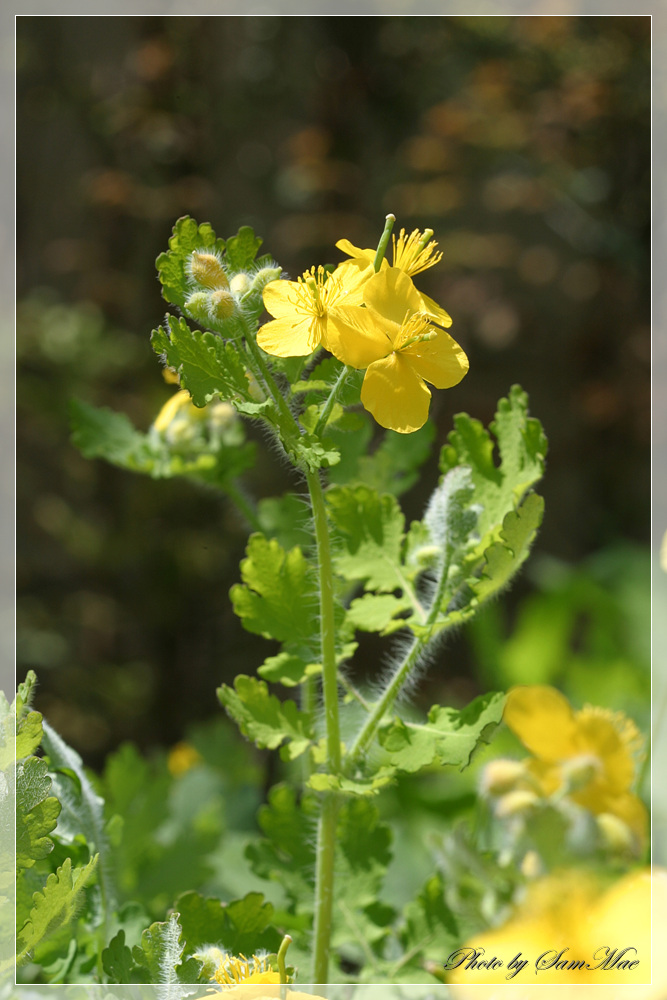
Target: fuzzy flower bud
x,y
502,776
221,415
207,270
240,284
223,304
198,306
615,834
516,803
264,276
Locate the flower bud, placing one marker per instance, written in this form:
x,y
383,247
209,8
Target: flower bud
x,y
240,284
532,866
615,835
516,803
502,776
264,276
254,388
223,304
198,306
580,771
221,415
207,270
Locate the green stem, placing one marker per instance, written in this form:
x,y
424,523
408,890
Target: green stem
x,y
384,242
391,692
326,832
329,405
268,378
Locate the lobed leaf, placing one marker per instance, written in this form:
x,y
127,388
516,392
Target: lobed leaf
x,y
521,446
208,366
242,927
187,236
264,719
278,596
54,906
450,737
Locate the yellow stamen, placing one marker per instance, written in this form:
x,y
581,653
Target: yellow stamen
x,y
414,253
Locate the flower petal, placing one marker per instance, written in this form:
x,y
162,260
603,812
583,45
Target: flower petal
x,y
280,297
358,337
352,251
291,336
440,361
392,293
543,720
395,394
431,307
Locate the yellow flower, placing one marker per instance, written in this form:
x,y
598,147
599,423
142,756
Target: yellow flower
x,y
590,754
570,912
181,758
243,979
394,339
412,254
178,405
301,309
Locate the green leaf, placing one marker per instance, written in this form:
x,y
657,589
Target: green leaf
x,y
208,366
28,735
101,433
119,964
322,782
394,465
241,250
278,597
285,518
36,812
264,719
503,558
287,855
160,952
430,930
449,737
82,812
377,612
54,906
371,531
242,927
288,669
172,265
522,448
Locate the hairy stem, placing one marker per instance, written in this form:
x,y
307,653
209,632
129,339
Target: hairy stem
x,y
402,672
326,831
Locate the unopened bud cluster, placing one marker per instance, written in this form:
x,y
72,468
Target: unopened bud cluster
x,y
186,428
217,296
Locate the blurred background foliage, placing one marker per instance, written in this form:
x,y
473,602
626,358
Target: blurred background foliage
x,y
522,141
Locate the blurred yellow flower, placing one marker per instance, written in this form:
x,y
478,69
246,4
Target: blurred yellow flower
x,y
302,308
412,254
394,339
590,755
180,404
181,758
566,920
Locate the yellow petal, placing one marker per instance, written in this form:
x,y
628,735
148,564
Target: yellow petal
x,y
349,248
351,276
543,720
440,361
392,294
395,394
358,337
291,336
431,307
280,297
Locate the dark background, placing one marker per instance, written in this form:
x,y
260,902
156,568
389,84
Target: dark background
x,y
522,141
